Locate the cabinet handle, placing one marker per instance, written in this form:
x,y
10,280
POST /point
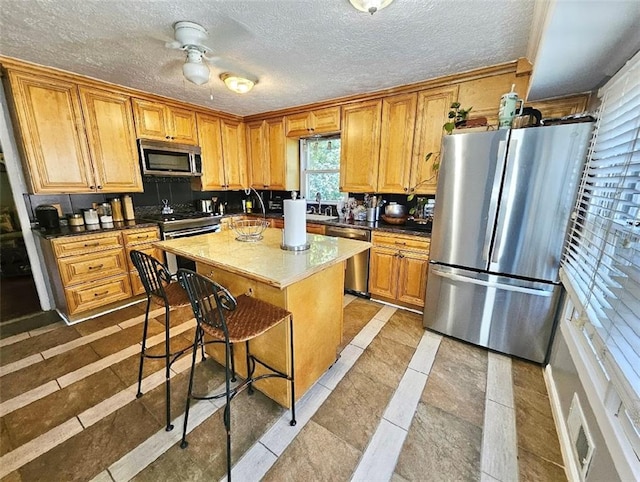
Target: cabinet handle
x,y
99,187
92,187
401,243
265,186
102,293
87,245
96,267
406,189
143,237
167,137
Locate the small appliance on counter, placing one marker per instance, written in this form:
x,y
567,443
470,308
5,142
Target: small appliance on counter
x,y
205,205
47,216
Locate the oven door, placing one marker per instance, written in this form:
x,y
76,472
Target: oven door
x,y
175,262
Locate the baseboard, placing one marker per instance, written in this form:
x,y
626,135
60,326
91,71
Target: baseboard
x,y
570,466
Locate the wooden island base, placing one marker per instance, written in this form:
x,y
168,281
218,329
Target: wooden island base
x,y
316,304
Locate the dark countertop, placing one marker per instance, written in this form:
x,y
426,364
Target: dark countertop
x,y
82,230
410,228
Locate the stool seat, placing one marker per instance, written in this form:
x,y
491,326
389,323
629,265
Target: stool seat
x,y
176,295
251,318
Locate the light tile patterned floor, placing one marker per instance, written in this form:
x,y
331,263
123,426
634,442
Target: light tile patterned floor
x,y
399,404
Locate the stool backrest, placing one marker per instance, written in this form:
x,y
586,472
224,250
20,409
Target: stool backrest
x,y
153,274
209,300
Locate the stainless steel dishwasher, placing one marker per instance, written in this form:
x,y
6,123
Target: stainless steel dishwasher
x,y
356,278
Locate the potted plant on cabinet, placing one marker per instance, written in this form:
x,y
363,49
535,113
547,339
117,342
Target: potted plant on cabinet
x,y
457,116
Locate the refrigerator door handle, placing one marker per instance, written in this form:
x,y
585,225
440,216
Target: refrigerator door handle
x,y
493,203
495,256
490,284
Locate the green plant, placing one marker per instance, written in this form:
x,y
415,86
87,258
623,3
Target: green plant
x,y
434,168
457,115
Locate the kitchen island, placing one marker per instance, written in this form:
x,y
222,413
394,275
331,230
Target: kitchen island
x,y
307,283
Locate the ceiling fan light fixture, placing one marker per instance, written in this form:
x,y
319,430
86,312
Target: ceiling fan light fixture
x,y
236,83
371,6
194,69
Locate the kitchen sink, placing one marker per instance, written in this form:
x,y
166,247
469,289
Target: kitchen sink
x,y
321,217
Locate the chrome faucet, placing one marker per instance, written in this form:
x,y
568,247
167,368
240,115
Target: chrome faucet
x,y
328,211
318,199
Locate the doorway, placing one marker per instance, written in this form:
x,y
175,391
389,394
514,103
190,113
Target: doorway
x,y
18,295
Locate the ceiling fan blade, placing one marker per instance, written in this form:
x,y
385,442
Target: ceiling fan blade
x,y
173,45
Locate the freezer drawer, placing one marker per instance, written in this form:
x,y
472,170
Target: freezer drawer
x,y
504,314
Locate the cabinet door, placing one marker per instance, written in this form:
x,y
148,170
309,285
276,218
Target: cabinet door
x,y
433,107
298,125
383,271
275,143
326,120
396,142
316,228
112,140
412,277
234,151
52,133
210,134
182,126
150,120
360,146
256,155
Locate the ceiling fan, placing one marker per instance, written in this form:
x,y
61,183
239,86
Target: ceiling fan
x,y
190,37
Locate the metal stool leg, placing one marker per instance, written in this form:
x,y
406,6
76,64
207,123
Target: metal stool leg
x,y
198,337
251,367
293,421
227,408
167,380
144,347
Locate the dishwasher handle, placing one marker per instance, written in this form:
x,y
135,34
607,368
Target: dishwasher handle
x,y
350,233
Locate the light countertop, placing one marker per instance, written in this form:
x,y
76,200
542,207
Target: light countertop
x,y
264,260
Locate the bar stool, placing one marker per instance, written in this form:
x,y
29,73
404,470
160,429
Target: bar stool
x,y
225,318
159,285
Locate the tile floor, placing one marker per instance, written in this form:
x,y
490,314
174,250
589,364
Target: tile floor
x,y
399,404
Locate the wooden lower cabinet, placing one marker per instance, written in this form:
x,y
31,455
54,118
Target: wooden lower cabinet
x,y
316,228
140,240
94,271
398,269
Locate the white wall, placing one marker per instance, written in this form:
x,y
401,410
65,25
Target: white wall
x,y
18,188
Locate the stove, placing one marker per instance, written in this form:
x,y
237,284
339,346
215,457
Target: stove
x,y
190,221
182,225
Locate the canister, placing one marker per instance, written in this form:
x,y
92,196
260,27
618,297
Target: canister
x,y
127,204
75,220
104,212
116,209
90,217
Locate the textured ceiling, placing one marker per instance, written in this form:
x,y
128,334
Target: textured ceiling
x,y
302,51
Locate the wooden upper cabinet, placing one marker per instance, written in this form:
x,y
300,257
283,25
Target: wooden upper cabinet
x,y
360,146
433,108
163,122
213,165
396,142
320,121
272,158
257,155
234,151
112,140
52,134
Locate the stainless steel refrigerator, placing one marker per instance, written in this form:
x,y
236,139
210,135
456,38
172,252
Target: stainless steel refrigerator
x,y
502,212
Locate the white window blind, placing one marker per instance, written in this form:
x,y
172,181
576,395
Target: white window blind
x,y
601,263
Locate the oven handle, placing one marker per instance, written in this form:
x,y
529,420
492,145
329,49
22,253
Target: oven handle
x,y
192,232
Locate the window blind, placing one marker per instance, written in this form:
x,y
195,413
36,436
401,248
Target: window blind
x,y
601,262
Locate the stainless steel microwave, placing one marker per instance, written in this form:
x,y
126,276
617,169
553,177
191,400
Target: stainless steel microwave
x,y
159,158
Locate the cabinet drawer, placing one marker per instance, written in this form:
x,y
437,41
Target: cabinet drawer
x,y
401,241
95,295
85,244
316,228
147,249
92,266
134,236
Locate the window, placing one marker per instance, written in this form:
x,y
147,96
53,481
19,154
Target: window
x,y
601,265
320,168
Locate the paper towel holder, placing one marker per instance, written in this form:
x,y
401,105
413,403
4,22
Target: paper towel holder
x,y
300,247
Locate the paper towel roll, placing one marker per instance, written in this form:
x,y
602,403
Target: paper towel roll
x,y
295,222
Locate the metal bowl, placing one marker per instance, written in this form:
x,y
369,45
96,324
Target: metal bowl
x,y
394,210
